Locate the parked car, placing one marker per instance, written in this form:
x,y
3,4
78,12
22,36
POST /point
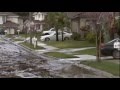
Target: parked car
x,y
52,36
109,50
2,32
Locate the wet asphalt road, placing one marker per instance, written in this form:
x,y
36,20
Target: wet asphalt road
x,y
15,62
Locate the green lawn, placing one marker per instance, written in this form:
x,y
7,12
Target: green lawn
x,y
24,35
9,36
17,39
31,46
60,55
70,44
105,66
28,35
87,51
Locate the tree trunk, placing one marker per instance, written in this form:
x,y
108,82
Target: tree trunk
x,y
62,36
57,39
31,37
119,26
98,42
30,18
37,38
79,30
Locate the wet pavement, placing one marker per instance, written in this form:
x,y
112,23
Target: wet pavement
x,y
16,62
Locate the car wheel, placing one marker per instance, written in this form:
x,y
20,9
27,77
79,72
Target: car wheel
x,y
116,54
47,39
66,38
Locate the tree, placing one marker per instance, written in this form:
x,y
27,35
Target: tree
x,y
57,20
24,15
117,25
30,19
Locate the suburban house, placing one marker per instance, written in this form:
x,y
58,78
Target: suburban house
x,y
38,19
10,22
83,22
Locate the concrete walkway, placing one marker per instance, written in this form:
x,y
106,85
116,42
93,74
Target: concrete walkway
x,y
54,49
48,48
74,50
84,58
68,51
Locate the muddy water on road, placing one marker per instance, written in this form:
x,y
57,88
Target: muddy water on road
x,y
18,63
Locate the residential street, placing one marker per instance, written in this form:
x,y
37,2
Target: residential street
x,y
59,44
16,62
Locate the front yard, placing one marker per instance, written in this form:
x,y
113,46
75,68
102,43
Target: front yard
x,y
31,46
70,44
87,51
18,39
107,66
60,55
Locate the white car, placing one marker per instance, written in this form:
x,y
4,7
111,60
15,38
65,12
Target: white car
x,y
52,36
49,31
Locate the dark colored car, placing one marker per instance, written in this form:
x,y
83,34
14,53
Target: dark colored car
x,y
2,32
109,50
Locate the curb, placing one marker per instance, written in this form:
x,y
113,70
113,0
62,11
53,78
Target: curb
x,y
43,56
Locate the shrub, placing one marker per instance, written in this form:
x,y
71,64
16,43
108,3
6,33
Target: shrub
x,y
91,37
76,36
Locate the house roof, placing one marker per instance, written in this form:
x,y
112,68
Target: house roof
x,y
10,24
72,14
8,13
89,15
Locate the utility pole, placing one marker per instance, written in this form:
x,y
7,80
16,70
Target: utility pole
x,y
30,19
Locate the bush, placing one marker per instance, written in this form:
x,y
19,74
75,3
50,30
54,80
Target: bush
x,y
76,36
91,37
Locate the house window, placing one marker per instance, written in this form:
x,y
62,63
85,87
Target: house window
x,y
1,21
38,26
42,16
39,16
4,19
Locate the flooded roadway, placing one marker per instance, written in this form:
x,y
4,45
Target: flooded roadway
x,y
16,62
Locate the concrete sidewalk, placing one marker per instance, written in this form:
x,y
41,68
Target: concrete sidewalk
x,y
66,51
84,58
46,46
